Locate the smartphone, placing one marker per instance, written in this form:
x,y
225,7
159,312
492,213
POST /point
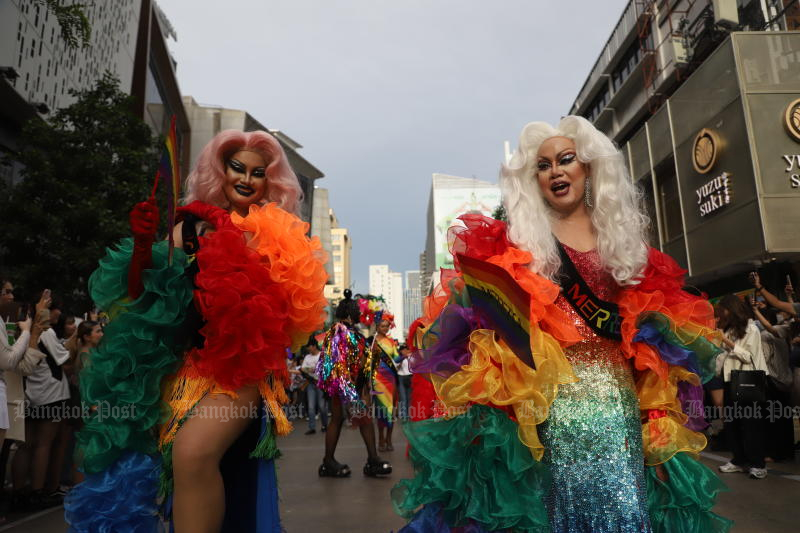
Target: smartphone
x,y
788,280
22,312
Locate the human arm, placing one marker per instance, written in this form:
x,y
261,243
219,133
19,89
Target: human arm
x,y
764,322
144,223
746,347
11,355
770,298
31,331
59,353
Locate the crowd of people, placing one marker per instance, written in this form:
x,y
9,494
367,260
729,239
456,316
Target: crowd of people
x,y
756,388
42,353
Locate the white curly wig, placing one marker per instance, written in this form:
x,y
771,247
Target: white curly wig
x,y
617,215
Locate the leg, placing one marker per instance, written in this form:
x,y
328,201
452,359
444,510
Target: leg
x,y
403,395
46,433
367,430
311,391
58,452
20,464
753,430
389,438
323,408
334,429
199,497
381,436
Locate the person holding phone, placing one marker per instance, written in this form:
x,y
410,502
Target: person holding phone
x,y
790,306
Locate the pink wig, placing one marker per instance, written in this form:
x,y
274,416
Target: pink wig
x,y
205,181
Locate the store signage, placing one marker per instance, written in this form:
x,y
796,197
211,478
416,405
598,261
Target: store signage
x,y
791,120
793,167
705,150
715,194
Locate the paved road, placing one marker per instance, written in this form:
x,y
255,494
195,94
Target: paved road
x,y
360,504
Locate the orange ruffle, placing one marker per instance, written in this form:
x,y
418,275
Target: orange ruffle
x,y
693,316
294,261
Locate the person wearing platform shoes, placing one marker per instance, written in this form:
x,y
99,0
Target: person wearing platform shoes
x,y
345,371
316,399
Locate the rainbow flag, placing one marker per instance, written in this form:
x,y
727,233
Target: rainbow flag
x,y
169,172
500,301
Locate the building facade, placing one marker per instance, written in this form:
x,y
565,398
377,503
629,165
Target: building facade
x,y
208,120
451,197
341,248
412,297
38,69
322,219
709,121
389,285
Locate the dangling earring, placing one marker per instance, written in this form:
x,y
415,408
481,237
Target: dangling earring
x,y
587,192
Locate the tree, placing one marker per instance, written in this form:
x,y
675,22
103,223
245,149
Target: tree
x,y
75,28
500,213
82,173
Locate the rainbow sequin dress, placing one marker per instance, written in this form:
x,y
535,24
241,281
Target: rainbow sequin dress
x,y
572,442
593,436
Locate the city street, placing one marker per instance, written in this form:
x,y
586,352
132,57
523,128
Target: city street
x,y
363,505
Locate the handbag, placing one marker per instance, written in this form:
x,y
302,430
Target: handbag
x,y
749,386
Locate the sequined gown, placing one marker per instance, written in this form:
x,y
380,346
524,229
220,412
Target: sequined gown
x,y
592,438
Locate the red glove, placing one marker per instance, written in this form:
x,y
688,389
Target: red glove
x,y
144,222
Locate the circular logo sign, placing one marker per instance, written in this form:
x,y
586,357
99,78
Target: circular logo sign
x,y
706,149
791,120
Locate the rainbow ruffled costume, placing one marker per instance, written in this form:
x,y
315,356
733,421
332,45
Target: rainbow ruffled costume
x,y
384,383
345,366
569,444
211,322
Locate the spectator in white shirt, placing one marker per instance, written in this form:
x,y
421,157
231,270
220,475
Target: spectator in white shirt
x,y
744,424
316,398
47,392
403,382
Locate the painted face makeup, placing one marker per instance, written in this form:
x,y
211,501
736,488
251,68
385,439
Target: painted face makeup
x,y
245,180
561,177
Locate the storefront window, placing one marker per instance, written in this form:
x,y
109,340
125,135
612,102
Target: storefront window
x,y
649,201
672,221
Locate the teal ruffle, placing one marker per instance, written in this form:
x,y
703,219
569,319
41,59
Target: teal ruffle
x,y
683,504
475,468
121,380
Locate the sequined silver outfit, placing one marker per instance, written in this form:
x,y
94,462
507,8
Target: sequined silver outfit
x,y
593,437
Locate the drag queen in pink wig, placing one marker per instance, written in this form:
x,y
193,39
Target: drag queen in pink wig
x,y
210,330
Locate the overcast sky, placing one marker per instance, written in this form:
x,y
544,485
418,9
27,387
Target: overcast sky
x,y
383,93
